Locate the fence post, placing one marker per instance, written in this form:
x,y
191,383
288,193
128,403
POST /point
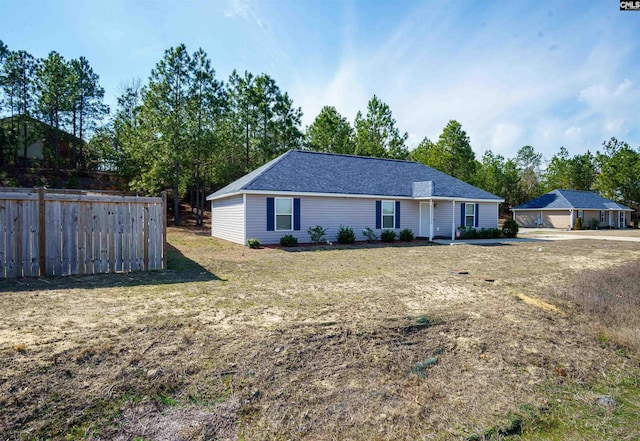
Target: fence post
x,y
145,239
42,234
164,230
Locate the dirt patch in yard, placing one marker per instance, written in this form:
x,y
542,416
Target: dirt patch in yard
x,y
365,343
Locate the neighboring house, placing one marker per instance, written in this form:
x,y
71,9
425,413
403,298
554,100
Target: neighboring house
x,y
39,135
561,208
302,189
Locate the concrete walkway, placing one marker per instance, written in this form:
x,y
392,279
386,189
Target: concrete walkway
x,y
556,236
487,241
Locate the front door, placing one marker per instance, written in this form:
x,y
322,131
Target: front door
x,y
425,219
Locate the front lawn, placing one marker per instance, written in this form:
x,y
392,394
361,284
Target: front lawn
x,y
355,343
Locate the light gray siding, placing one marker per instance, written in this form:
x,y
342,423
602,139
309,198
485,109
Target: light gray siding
x,y
328,212
442,216
488,215
227,219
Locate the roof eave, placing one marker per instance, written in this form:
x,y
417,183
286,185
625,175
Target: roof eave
x,y
212,197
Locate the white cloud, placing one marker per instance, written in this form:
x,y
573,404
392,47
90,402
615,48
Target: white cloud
x,y
573,133
344,91
594,95
504,138
502,83
237,8
623,87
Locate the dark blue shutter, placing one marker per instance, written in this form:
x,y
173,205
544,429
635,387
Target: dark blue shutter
x,y
462,214
296,213
270,214
397,214
378,215
477,215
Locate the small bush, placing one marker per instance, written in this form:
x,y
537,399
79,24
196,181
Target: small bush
x,y
578,225
388,236
317,234
406,235
510,228
288,241
370,234
468,233
253,243
489,233
345,235
595,223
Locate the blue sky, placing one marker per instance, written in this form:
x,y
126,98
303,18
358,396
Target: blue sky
x,y
543,73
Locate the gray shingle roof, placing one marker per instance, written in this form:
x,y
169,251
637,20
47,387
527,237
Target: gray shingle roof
x,y
567,199
312,172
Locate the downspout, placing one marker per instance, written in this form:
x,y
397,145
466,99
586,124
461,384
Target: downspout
x,y
453,222
244,218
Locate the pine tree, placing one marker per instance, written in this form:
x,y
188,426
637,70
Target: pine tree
x,y
330,132
377,134
87,104
452,154
53,83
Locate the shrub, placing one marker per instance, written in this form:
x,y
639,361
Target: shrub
x,y
253,243
370,234
406,235
317,234
468,233
595,223
489,233
388,236
345,235
510,228
288,241
578,225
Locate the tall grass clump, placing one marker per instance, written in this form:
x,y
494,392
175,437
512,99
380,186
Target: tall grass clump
x,y
612,297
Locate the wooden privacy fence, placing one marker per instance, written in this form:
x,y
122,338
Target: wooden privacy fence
x,y
62,232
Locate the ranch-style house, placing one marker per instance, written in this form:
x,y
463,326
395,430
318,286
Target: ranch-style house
x,y
302,189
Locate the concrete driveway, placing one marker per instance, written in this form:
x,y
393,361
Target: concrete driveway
x,y
547,234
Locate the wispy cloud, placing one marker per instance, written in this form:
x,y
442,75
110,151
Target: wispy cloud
x,y
512,78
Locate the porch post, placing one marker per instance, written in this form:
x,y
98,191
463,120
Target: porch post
x,y
453,222
619,225
430,219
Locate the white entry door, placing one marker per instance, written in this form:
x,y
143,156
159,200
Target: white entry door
x,y
425,219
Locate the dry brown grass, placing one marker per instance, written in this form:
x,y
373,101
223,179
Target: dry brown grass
x,y
272,344
612,297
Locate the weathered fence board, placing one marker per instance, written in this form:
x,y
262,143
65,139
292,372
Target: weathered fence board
x,y
61,232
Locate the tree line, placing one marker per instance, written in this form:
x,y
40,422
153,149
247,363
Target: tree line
x,y
189,131
64,94
613,171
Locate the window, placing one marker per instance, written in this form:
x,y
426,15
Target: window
x,y
602,217
469,215
622,223
284,214
581,214
388,214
